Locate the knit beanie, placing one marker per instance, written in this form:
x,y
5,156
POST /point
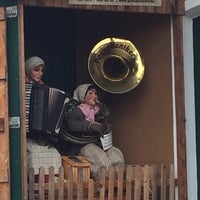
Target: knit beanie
x,y
80,92
33,62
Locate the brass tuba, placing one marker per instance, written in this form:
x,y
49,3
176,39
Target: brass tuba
x,y
115,65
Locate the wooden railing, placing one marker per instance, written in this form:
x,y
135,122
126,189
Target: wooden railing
x,y
136,182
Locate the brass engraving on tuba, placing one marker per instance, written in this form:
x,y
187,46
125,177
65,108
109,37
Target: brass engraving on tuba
x,y
115,65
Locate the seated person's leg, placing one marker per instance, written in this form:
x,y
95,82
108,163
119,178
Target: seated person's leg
x,y
97,158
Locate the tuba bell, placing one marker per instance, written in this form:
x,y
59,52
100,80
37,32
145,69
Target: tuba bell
x,y
115,65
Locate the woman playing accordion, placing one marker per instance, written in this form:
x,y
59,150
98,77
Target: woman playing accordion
x,y
40,153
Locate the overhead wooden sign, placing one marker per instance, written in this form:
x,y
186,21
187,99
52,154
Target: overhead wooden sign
x,y
139,6
118,2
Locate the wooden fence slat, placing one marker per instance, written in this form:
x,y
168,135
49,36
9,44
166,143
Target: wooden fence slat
x,y
61,184
102,183
137,186
41,183
171,183
154,182
111,183
31,181
91,189
120,177
51,184
80,183
146,187
70,183
129,178
163,182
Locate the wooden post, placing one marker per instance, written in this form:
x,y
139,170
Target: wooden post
x,y
4,131
180,106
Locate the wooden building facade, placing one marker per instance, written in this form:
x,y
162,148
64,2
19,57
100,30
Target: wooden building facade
x,y
63,33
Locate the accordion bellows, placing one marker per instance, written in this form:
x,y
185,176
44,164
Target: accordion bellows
x,y
44,115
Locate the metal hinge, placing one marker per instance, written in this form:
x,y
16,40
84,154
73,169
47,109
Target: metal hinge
x,y
14,122
11,11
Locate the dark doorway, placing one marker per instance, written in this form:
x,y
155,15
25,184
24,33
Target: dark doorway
x,y
50,34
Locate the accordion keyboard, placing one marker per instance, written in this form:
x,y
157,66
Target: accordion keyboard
x,y
28,88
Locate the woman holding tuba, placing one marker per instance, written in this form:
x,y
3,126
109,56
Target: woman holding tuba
x,y
86,120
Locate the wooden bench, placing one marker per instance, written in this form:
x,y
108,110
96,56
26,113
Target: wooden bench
x,y
76,162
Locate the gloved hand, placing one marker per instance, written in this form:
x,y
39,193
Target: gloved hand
x,y
105,128
97,127
99,118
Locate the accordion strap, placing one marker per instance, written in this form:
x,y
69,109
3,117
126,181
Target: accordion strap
x,y
76,140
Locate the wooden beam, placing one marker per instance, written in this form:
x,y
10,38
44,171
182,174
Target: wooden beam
x,y
22,104
4,131
180,106
178,7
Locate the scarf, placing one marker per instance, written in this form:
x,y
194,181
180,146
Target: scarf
x,y
89,112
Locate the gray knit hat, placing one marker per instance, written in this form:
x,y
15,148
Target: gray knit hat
x,y
80,92
33,62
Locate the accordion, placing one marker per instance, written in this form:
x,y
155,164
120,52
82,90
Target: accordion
x,y
44,109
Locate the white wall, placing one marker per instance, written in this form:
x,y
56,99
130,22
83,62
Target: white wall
x,y
192,8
